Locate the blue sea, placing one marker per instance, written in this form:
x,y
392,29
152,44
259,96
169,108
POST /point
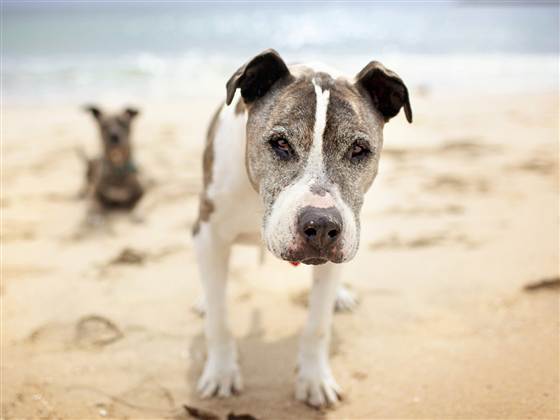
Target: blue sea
x,y
75,51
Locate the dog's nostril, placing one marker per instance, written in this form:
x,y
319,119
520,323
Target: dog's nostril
x,y
310,232
333,233
114,138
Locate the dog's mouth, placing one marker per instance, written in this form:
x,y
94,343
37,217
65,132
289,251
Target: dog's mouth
x,y
314,258
314,261
299,252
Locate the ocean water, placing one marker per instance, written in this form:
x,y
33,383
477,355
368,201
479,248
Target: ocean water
x,y
76,51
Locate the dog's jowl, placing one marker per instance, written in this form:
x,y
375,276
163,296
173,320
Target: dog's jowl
x,y
288,159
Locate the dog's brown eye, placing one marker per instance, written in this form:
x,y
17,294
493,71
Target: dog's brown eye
x,y
358,152
281,147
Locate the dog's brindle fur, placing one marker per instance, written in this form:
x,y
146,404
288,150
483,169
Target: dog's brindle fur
x,y
325,119
112,178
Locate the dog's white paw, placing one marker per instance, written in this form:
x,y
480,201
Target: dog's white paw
x,y
221,376
346,300
316,386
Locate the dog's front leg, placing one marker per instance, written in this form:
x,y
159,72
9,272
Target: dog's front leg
x,y
221,373
315,383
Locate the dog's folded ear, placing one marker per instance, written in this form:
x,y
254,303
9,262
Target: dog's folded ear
x,y
95,111
386,89
131,112
257,76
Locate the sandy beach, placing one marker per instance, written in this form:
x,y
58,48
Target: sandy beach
x,y
463,215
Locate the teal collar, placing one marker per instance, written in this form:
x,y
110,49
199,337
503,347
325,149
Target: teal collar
x,y
127,168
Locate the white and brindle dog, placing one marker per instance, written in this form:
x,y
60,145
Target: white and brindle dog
x,y
289,161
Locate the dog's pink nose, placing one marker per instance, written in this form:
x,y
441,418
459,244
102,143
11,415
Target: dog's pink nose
x,y
320,227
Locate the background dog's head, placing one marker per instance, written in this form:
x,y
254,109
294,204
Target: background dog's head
x,y
313,146
115,133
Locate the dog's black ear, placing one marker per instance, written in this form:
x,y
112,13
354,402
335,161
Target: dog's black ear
x,y
95,111
131,112
386,89
257,76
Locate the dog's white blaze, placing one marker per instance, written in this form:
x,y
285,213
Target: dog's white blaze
x,y
315,165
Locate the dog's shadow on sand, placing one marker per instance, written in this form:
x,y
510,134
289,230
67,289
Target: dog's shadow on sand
x,y
269,373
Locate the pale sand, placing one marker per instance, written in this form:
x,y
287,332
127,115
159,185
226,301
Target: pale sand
x,y
463,214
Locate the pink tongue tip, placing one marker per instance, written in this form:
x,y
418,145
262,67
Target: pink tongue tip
x,y
294,263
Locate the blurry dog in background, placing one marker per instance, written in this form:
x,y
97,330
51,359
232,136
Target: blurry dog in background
x,y
111,180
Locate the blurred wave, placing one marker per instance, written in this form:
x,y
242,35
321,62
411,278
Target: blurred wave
x,y
70,52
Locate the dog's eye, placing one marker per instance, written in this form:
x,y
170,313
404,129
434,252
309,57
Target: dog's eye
x,y
358,152
281,147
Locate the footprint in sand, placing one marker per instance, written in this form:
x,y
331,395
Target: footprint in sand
x,y
451,209
456,148
538,166
457,185
89,332
395,242
96,331
466,148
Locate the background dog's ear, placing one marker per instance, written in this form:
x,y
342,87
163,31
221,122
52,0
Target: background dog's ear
x,y
131,112
95,111
387,90
257,76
